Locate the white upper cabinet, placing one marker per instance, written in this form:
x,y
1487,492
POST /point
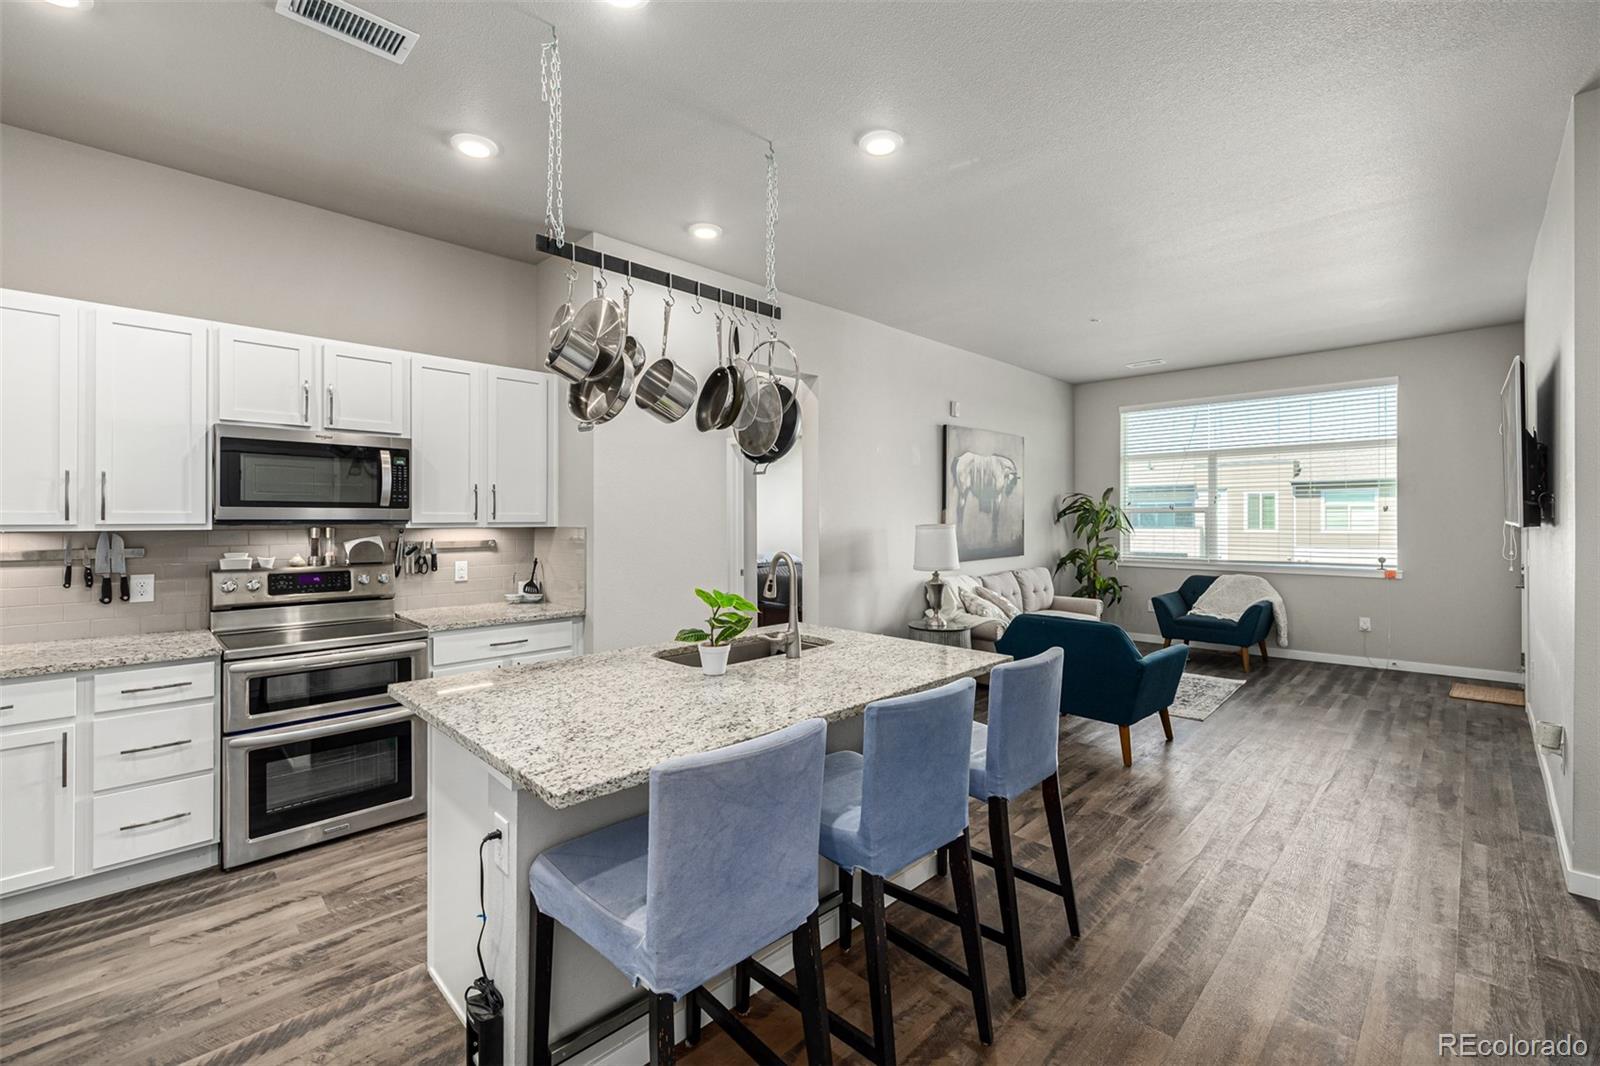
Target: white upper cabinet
x,y
150,425
363,389
36,806
265,377
520,453
40,481
446,434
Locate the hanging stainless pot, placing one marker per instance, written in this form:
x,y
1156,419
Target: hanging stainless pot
x,y
591,343
666,389
598,400
788,431
720,396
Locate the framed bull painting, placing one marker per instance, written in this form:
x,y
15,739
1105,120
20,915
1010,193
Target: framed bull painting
x,y
983,491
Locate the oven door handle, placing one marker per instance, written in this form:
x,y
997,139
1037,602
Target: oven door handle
x,y
334,726
317,660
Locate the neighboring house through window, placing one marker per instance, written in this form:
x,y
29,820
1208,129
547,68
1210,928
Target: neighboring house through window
x,y
1261,511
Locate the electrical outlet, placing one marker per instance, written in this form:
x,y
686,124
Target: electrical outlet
x,y
1364,624
141,588
461,569
502,847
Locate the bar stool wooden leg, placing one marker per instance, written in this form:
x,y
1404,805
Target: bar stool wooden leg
x,y
1058,843
691,1019
541,931
662,1037
876,942
807,942
847,889
971,936
741,987
1005,877
941,862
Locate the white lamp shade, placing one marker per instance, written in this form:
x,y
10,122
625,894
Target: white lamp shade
x,y
936,548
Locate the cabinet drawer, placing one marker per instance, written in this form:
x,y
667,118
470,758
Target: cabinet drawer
x,y
38,700
154,819
498,642
149,686
130,749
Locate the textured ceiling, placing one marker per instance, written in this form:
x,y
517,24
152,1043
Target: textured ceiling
x,y
1213,182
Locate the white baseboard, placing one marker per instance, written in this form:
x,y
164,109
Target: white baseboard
x,y
139,874
1579,882
1477,673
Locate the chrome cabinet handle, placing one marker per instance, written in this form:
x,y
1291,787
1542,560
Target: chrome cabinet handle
x,y
155,747
157,688
66,496
508,643
494,501
305,399
330,405
474,503
6,706
63,758
102,495
155,821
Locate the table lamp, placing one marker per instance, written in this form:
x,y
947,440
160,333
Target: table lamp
x,y
936,551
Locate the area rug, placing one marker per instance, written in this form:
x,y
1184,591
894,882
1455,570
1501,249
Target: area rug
x,y
1511,697
1200,694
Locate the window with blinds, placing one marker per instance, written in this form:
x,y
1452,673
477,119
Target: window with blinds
x,y
1303,479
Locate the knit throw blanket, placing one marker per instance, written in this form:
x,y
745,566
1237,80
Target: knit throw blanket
x,y
1231,595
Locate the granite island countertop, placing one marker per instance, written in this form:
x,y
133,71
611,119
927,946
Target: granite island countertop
x,y
575,729
101,653
472,616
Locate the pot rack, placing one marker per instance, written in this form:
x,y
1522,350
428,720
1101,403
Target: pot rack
x,y
613,264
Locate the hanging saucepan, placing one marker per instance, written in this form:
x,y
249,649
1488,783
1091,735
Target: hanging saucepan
x,y
666,389
720,396
598,400
591,342
563,316
788,431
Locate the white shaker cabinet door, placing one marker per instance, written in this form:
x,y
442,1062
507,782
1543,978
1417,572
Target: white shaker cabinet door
x,y
40,481
446,425
36,808
265,377
364,389
521,451
150,426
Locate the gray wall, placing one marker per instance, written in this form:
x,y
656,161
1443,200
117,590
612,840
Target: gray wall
x,y
1456,604
1562,338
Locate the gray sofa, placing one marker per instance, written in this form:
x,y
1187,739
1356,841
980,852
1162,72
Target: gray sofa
x,y
1032,589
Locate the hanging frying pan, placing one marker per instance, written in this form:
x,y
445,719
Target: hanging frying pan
x,y
721,395
788,429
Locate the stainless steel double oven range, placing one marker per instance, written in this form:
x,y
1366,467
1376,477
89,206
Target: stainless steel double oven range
x,y
314,748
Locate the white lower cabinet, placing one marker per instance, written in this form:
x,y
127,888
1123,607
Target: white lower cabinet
x,y
37,829
465,651
153,819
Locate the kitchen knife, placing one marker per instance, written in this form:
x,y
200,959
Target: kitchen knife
x,y
119,565
102,564
66,563
433,557
88,570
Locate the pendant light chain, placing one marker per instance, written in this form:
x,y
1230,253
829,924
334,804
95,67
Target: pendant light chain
x,y
772,226
555,220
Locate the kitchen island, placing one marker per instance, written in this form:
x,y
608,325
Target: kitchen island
x,y
550,751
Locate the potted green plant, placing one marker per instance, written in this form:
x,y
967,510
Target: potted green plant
x,y
731,615
1097,523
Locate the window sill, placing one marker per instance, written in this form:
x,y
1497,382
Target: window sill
x,y
1197,566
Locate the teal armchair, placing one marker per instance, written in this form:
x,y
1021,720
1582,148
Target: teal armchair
x,y
1105,677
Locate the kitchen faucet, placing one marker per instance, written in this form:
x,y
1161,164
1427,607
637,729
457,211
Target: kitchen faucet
x,y
790,641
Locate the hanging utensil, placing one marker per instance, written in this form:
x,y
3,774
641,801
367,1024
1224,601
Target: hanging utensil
x,y
632,350
66,562
592,342
720,395
666,389
762,357
563,316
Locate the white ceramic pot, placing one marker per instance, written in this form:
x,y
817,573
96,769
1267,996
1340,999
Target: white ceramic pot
x,y
714,659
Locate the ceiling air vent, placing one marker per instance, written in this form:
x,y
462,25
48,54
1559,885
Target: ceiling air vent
x,y
353,26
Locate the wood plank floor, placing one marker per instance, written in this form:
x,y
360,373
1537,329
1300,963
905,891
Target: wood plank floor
x,y
1337,866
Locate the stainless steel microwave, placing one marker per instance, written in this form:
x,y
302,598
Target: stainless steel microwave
x,y
300,475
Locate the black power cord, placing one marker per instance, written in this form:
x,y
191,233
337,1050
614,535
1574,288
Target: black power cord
x,y
483,997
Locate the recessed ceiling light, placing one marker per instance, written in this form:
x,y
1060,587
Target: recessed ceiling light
x,y
78,4
627,5
1143,363
880,142
473,146
705,231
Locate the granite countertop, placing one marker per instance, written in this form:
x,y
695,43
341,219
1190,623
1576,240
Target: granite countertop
x,y
443,619
100,653
572,730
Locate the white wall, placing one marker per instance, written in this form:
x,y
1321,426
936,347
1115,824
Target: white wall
x,y
1456,604
659,491
779,520
1562,344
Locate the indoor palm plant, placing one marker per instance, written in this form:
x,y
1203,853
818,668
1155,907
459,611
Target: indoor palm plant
x,y
730,616
1097,523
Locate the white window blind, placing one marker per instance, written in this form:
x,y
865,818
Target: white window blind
x,y
1298,479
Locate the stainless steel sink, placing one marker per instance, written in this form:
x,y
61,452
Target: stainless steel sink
x,y
742,651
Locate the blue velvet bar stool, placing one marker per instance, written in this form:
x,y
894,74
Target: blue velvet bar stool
x,y
724,863
903,796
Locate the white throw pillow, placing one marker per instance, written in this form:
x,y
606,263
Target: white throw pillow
x,y
1007,608
973,603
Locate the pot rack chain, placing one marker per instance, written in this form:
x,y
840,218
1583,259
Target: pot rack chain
x,y
555,212
772,226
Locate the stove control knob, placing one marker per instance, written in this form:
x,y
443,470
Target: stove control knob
x,y
383,579
229,585
252,585
363,579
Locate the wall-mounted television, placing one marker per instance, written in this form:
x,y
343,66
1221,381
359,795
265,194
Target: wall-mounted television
x,y
1524,461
